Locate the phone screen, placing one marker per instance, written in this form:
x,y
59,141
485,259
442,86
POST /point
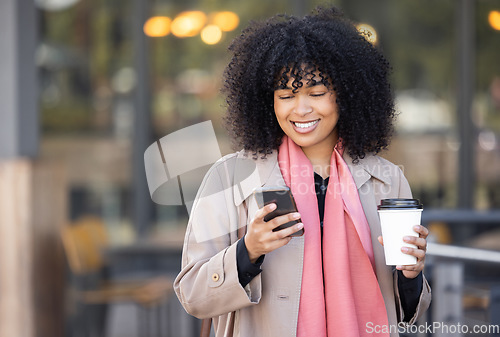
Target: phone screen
x,y
283,198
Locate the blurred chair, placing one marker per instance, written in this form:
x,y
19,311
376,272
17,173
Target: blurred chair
x,y
84,242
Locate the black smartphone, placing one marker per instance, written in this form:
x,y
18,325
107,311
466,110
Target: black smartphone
x,y
283,198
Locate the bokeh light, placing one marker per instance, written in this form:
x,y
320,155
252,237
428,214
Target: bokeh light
x,y
188,24
157,26
211,34
226,21
368,32
494,19
55,5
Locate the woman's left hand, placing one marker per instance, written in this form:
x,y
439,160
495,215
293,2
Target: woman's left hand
x,y
412,271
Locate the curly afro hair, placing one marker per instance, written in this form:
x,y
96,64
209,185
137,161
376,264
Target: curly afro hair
x,y
268,53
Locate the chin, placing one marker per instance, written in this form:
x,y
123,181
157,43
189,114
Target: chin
x,y
302,142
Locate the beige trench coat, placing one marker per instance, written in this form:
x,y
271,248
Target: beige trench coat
x,y
208,285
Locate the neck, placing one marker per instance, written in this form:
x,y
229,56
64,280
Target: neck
x,y
320,156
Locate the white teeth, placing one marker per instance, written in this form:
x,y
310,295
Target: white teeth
x,y
305,125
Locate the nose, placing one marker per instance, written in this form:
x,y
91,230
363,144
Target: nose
x,y
303,105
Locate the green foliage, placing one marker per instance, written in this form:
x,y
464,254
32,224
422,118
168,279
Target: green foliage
x,y
68,116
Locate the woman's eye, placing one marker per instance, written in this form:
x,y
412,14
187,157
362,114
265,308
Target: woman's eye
x,y
318,94
285,97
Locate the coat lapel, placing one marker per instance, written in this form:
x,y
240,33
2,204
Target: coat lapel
x,y
365,168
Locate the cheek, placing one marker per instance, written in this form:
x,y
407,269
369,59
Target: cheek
x,y
281,120
279,112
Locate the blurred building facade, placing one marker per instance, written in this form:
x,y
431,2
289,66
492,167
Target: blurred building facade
x,y
93,68
114,76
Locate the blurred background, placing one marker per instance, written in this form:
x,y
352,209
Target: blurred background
x,y
87,85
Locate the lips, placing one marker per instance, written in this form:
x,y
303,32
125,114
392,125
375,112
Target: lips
x,y
306,126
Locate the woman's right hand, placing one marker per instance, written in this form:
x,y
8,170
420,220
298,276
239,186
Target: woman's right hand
x,y
260,238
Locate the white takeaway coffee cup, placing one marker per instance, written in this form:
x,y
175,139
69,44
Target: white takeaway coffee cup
x,y
397,219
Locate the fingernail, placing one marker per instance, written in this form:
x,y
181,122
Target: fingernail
x,y
404,250
272,207
407,238
399,267
300,225
296,215
417,228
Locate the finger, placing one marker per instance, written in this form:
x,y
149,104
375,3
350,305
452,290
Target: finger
x,y
421,230
279,243
381,240
417,241
417,266
415,269
288,231
283,219
261,213
418,253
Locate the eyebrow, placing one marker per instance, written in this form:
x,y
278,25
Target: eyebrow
x,y
308,86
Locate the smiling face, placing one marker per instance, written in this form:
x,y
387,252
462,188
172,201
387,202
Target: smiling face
x,y
308,114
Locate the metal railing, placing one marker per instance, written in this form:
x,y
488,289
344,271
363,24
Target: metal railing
x,y
447,263
462,253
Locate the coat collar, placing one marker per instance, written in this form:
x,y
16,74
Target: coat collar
x,y
370,166
267,172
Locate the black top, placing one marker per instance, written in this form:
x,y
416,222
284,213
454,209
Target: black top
x,y
409,289
321,185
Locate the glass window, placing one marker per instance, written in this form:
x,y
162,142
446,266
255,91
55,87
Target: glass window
x,y
486,106
85,61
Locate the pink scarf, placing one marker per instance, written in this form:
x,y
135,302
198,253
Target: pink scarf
x,y
340,294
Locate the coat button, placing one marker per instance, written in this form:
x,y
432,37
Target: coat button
x,y
215,277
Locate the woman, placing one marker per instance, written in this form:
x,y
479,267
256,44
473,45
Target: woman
x,y
309,101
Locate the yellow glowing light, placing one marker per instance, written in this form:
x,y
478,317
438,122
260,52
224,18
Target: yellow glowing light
x,y
226,21
188,23
211,34
157,26
368,32
494,19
